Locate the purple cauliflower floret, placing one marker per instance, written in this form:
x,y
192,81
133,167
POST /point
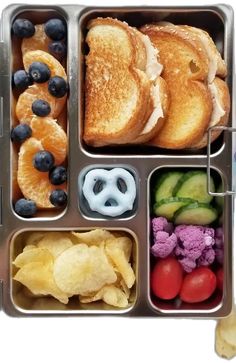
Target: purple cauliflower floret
x,y
207,257
194,242
161,224
219,245
164,244
164,240
188,264
219,253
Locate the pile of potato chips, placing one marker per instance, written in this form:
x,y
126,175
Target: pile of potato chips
x,y
93,265
226,336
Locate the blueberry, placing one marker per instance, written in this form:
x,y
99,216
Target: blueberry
x,y
43,160
23,28
20,133
57,86
55,29
41,108
25,207
57,49
39,72
21,79
58,175
58,198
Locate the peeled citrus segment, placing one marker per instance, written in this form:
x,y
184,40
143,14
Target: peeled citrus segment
x,y
39,41
51,135
34,184
35,92
40,56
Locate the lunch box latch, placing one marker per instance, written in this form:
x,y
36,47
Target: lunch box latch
x,y
222,193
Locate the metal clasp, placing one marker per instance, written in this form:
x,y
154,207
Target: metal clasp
x,y
215,128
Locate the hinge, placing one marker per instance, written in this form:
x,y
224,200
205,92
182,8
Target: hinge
x,y
210,130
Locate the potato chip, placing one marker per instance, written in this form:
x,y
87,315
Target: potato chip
x,y
55,243
29,247
223,348
34,237
123,243
33,255
228,329
125,288
94,237
114,296
118,257
111,295
81,269
38,278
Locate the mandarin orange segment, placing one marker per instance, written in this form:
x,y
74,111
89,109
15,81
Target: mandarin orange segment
x,y
34,185
37,91
40,56
39,41
51,135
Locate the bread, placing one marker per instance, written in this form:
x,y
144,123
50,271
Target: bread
x,y
177,44
117,87
217,87
220,113
120,76
185,71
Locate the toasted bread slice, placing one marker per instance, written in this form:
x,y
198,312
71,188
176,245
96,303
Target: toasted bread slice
x,y
217,66
117,89
220,114
160,99
185,71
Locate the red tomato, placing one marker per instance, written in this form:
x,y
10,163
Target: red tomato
x,y
166,278
198,285
220,278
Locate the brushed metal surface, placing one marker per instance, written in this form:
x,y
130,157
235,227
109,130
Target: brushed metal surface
x,y
218,20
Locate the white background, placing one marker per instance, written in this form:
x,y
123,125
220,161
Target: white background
x,y
107,340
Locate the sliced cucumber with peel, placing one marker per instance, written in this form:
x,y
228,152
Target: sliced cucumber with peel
x,y
165,185
196,213
194,185
167,207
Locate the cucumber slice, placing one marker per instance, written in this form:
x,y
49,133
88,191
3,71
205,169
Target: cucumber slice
x,y
165,184
194,185
167,207
197,213
220,200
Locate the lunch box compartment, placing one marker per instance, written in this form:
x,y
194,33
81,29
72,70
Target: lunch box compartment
x,y
212,20
84,205
26,303
217,302
36,16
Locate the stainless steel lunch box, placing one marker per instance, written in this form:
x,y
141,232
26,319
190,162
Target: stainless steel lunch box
x,y
143,161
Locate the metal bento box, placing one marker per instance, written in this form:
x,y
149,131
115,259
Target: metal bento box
x,y
143,163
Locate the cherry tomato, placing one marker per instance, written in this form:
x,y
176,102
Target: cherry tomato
x,y
220,278
167,278
198,285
